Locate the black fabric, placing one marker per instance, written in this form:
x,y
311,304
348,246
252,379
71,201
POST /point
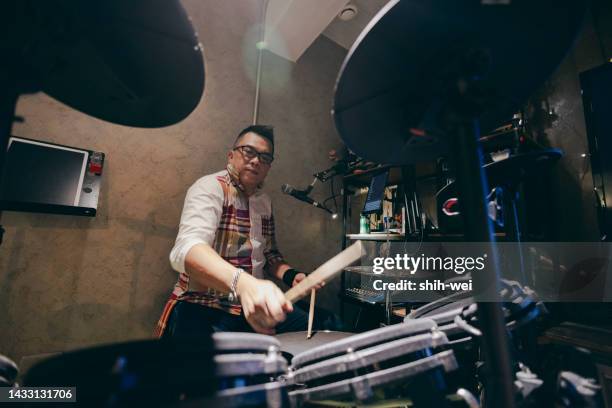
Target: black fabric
x,y
191,319
289,276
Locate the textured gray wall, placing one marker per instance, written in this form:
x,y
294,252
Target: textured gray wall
x,y
68,282
570,208
297,99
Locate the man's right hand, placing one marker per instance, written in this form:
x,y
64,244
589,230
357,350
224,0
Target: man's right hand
x,y
263,303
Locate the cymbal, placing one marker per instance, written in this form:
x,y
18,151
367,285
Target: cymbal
x,y
394,84
135,63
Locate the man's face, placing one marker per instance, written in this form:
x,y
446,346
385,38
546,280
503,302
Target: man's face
x,y
251,169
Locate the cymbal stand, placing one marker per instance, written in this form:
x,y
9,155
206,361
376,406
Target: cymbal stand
x,y
460,120
512,226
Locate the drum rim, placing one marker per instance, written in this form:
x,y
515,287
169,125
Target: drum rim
x,y
445,359
247,364
8,367
235,396
371,355
363,340
230,341
512,292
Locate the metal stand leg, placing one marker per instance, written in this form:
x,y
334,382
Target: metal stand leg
x,y
388,307
464,132
345,223
513,231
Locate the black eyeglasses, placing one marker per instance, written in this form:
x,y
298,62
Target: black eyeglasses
x,y
250,153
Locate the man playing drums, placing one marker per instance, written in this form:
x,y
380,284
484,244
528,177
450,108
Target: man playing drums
x,y
226,241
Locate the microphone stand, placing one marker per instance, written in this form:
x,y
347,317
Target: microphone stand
x,y
306,192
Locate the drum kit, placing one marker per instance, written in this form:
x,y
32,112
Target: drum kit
x,y
434,358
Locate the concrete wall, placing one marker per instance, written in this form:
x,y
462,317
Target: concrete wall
x,y
297,99
68,282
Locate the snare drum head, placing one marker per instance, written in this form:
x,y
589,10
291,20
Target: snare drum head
x,y
294,343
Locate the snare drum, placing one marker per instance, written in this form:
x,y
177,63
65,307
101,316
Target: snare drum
x,y
406,361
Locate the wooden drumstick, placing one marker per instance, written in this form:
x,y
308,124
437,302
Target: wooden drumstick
x,y
313,294
325,272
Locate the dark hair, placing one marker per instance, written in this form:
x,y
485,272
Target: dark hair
x,y
267,132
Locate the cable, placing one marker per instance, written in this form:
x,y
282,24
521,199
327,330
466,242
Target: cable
x,y
422,229
330,198
334,194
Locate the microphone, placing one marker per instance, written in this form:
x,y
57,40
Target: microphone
x,y
301,195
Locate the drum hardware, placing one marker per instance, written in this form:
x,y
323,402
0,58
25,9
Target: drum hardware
x,y
577,391
456,315
526,381
8,371
469,398
528,388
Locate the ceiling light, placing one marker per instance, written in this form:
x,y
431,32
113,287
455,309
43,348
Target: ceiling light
x,y
348,12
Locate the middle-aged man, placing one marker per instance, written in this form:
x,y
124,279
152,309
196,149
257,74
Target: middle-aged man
x,y
225,243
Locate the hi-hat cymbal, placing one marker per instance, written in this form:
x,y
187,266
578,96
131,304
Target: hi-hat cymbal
x,y
398,74
135,63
